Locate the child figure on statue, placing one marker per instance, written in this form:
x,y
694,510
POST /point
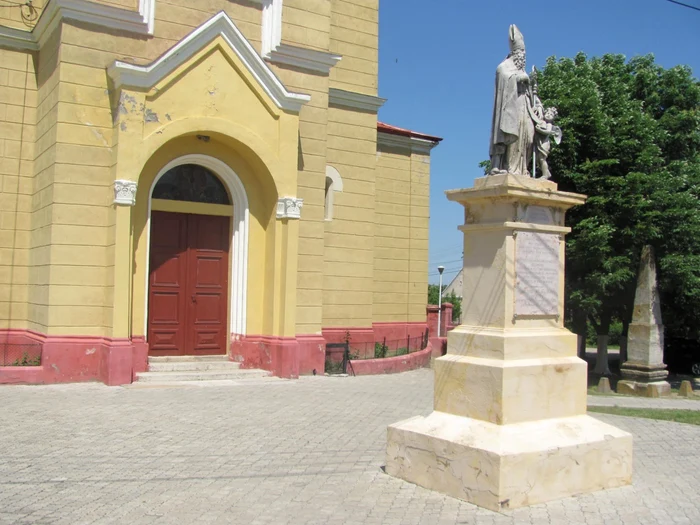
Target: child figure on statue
x,y
544,129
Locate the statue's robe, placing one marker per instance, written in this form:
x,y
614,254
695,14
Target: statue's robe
x,y
512,130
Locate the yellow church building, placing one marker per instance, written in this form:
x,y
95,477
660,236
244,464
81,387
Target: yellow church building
x,y
201,178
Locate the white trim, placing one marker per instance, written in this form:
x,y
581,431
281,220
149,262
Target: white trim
x,y
239,244
304,58
336,185
271,25
145,77
413,144
278,53
140,22
353,100
333,174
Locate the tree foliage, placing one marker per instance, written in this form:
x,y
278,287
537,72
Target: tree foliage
x,y
632,144
452,298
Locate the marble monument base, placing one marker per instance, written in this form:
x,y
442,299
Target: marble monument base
x,y
639,379
503,467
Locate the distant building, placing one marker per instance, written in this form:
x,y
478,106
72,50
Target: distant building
x,y
455,286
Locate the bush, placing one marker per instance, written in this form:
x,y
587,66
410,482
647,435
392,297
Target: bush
x,y
380,350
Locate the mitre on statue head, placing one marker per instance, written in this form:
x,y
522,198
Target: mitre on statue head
x,y
517,42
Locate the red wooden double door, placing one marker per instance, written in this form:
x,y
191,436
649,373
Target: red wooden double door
x,y
188,284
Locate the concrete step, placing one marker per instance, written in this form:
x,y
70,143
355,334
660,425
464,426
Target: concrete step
x,y
187,358
208,375
192,366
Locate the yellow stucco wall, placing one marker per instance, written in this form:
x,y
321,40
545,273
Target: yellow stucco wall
x,y
349,237
63,242
401,241
355,36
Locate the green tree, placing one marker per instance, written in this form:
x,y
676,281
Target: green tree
x,y
452,298
632,144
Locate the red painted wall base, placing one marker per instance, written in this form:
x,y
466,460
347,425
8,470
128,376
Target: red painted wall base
x,y
69,359
391,365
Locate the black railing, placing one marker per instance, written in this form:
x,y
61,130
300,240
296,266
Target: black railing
x,y
339,354
16,354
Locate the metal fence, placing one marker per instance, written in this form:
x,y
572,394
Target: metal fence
x,y
16,354
339,354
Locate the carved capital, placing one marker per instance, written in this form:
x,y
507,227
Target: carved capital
x,y
289,208
125,192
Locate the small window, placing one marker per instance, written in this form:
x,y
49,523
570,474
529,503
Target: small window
x,y
191,183
328,215
333,184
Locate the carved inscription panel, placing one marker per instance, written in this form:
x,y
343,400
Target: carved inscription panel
x,y
536,273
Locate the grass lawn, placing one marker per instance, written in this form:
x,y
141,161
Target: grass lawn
x,y
692,417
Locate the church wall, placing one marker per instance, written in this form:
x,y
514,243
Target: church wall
x,y
401,241
349,236
355,36
61,240
393,235
17,134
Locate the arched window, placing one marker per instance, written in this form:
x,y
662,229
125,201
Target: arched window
x,y
192,183
333,183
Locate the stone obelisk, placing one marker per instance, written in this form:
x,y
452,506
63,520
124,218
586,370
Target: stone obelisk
x,y
644,372
509,426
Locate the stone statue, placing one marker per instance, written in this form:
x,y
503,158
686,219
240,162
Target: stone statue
x,y
512,129
544,129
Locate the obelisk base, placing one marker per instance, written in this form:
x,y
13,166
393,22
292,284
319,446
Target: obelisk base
x,y
644,380
508,466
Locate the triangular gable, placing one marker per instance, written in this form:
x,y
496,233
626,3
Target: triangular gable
x,y
124,74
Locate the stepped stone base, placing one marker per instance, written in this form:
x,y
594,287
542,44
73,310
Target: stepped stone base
x,y
653,389
508,466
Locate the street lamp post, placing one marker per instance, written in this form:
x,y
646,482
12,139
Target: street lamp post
x,y
440,270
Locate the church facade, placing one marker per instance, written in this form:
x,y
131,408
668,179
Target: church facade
x,y
201,178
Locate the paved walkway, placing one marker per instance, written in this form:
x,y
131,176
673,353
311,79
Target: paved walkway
x,y
678,403
277,452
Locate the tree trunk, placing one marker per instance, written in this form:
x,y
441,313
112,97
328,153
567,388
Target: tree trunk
x,y
623,342
580,326
601,362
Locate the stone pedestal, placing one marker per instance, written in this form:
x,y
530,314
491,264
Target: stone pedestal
x,y
510,426
644,373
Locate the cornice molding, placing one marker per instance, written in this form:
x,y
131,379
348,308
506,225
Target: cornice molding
x,y
413,144
353,100
138,22
276,52
124,74
304,58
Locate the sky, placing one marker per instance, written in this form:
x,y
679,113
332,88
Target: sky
x,y
437,64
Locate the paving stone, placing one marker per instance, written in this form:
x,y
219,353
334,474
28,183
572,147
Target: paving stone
x,y
279,452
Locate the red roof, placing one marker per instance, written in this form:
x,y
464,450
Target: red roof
x,y
394,130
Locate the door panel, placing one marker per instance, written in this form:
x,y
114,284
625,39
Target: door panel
x,y
188,296
208,283
168,274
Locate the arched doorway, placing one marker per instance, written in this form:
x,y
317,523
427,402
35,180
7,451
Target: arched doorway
x,y
190,245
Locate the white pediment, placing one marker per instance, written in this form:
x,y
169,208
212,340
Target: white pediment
x,y
128,75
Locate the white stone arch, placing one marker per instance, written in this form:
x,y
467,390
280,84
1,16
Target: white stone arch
x,y
334,183
238,291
